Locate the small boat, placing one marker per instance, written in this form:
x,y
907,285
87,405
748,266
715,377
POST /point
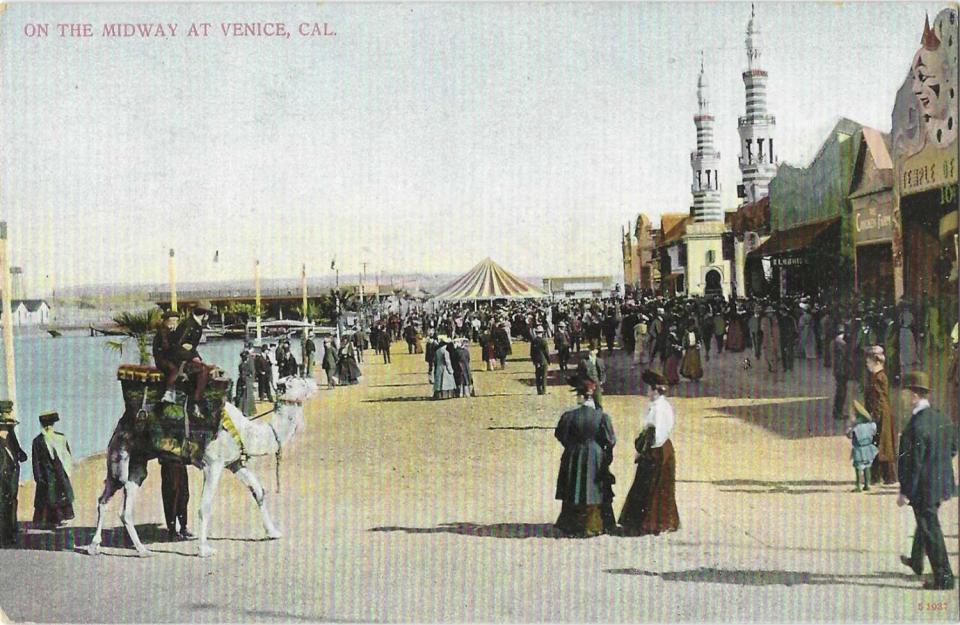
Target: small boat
x,y
106,331
54,333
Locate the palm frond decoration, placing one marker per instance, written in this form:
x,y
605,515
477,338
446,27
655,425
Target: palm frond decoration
x,y
137,325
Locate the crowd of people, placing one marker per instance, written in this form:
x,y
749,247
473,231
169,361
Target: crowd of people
x,y
870,348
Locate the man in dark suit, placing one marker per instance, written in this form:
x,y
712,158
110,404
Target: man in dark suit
x,y
592,368
383,344
540,355
926,479
183,349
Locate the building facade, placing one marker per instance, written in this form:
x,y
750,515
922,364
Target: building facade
x,y
810,249
925,175
640,266
578,287
871,201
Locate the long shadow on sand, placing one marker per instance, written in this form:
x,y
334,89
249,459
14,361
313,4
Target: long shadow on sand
x,y
769,484
69,538
497,530
749,577
790,418
388,400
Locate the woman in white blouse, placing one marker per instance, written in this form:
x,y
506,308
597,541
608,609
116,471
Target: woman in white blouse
x,y
651,505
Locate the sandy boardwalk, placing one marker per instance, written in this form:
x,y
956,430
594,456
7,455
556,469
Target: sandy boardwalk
x,y
395,508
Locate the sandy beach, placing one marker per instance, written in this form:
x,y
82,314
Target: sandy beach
x,y
397,508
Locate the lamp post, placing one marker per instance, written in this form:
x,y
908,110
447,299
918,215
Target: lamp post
x,y
172,273
256,279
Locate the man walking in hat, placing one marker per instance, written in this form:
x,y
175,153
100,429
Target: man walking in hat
x,y
926,479
52,467
593,368
540,355
11,455
175,491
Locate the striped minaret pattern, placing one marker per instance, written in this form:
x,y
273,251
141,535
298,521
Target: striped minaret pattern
x,y
705,161
758,161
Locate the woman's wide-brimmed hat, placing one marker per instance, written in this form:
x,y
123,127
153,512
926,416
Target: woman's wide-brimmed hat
x,y
653,378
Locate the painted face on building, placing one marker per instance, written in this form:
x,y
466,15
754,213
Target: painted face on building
x,y
934,82
927,83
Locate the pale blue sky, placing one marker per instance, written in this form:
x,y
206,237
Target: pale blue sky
x,y
422,137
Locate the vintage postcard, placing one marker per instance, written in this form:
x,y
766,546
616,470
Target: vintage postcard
x,y
479,312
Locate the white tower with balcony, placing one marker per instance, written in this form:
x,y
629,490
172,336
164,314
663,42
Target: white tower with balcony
x,y
705,160
758,161
706,270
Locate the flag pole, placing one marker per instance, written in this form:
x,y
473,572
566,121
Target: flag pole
x,y
172,272
303,316
7,319
256,279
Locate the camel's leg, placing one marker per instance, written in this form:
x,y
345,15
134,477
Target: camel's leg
x,y
247,477
130,490
211,477
109,488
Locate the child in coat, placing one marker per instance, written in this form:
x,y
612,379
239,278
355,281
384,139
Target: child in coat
x,y
862,434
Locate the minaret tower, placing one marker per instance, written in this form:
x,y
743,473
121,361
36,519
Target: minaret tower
x,y
758,161
705,161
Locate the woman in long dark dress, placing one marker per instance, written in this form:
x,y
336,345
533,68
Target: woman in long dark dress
x,y
691,366
347,368
587,436
736,330
651,505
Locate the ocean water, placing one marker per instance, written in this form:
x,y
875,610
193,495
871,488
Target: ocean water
x,y
77,377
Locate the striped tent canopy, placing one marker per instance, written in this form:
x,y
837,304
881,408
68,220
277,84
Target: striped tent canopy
x,y
486,281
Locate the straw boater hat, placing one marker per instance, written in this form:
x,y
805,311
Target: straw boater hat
x,y
49,418
861,410
170,314
917,380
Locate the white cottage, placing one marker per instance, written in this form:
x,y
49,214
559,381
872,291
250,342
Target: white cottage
x,y
30,312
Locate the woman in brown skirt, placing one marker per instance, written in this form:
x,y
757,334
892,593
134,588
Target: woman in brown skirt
x,y
651,505
876,400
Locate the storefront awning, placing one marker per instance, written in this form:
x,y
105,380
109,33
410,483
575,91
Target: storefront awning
x,y
794,239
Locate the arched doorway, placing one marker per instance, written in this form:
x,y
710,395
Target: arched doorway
x,y
713,283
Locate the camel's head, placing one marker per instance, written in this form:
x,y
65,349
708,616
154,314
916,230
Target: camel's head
x,y
295,390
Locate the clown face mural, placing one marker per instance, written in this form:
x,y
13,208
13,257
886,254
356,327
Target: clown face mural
x,y
934,79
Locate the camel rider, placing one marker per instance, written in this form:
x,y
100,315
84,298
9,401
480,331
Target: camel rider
x,y
161,350
183,351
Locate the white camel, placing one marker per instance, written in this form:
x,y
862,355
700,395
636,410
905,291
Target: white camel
x,y
127,470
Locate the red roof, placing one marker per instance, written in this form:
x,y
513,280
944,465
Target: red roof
x,y
794,239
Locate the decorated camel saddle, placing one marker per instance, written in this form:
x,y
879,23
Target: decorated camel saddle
x,y
171,431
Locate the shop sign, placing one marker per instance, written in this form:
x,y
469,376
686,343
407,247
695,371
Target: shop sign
x,y
787,261
873,222
927,170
